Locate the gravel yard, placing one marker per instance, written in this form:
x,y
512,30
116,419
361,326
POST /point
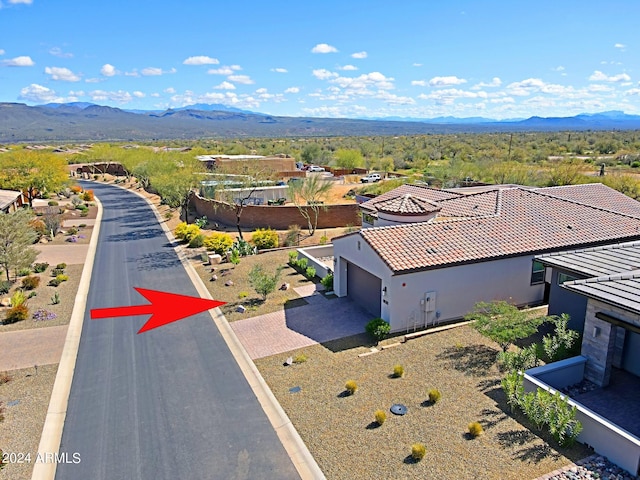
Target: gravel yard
x,y
342,436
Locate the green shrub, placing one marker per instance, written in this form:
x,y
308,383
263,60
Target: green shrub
x,y
61,266
351,387
55,299
186,232
302,264
5,286
197,241
265,238
292,237
418,451
434,395
243,247
40,267
56,271
32,294
243,295
30,282
378,328
293,258
72,231
24,272
300,358
324,240
521,360
16,314
475,429
18,298
559,345
398,371
202,221
52,203
310,272
218,242
62,277
380,416
327,282
168,215
234,258
262,282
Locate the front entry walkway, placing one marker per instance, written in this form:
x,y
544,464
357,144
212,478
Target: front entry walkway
x,y
320,321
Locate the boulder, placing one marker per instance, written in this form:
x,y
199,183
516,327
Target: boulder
x,y
215,259
5,302
241,309
214,278
229,283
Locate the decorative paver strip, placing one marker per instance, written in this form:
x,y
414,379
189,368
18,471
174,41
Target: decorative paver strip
x,y
26,348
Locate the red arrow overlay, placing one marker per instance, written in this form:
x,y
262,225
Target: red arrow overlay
x,y
164,308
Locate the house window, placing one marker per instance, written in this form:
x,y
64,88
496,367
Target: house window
x,y
367,218
537,272
563,277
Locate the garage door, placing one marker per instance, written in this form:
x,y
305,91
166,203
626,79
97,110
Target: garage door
x,y
364,289
631,355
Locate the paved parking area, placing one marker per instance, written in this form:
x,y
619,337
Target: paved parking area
x,y
290,329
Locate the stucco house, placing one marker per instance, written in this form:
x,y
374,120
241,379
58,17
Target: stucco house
x,y
430,255
11,200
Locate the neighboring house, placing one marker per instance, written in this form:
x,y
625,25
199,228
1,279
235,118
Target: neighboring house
x,y
11,200
610,359
438,252
580,264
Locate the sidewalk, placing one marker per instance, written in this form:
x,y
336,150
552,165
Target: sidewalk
x,y
36,346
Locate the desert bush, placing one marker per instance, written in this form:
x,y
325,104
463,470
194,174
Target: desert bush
x,y
87,196
243,247
56,271
351,387
521,360
293,258
378,328
242,295
55,299
302,264
40,267
52,203
327,282
30,282
5,377
23,272
39,227
265,238
16,314
324,240
262,282
234,258
475,429
5,286
300,358
61,266
398,371
62,277
72,231
418,451
558,346
434,395
380,416
292,237
75,189
31,294
218,242
310,272
201,222
18,298
196,241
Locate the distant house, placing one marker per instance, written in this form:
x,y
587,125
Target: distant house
x,y
430,255
11,200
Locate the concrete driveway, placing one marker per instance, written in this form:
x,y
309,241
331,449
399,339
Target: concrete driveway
x,y
320,321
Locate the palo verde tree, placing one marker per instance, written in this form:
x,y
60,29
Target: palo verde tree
x,y
308,196
262,282
32,172
502,322
16,240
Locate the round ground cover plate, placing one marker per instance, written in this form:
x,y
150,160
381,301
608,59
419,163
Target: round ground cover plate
x,y
398,409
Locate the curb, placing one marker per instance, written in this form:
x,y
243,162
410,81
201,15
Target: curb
x,y
298,452
57,412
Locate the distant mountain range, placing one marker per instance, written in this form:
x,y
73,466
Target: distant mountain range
x,y
81,121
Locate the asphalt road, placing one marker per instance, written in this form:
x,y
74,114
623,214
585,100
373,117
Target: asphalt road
x,y
170,403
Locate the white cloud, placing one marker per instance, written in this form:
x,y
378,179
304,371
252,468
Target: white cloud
x,y
108,70
503,100
155,95
2,52
225,70
596,87
39,94
292,90
243,79
324,48
139,94
633,91
25,2
448,95
225,86
598,76
373,79
93,80
621,46
323,74
101,95
359,55
525,87
559,68
446,81
348,67
201,60
394,99
280,70
416,65
57,52
495,82
154,71
419,83
132,73
170,90
22,61
62,74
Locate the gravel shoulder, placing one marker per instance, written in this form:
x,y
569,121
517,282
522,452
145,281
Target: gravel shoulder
x,y
342,436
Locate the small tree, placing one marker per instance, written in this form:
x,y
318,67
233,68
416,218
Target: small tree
x,y
262,282
16,238
502,322
52,220
308,196
558,345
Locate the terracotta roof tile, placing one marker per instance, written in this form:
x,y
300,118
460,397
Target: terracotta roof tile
x,y
595,194
407,204
416,191
524,221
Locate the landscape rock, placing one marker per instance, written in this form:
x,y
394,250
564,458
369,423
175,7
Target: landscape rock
x,y
241,309
215,259
229,283
214,278
5,302
285,286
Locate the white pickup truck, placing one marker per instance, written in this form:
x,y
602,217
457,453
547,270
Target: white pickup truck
x,y
370,178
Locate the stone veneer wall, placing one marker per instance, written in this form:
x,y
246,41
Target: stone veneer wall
x,y
279,217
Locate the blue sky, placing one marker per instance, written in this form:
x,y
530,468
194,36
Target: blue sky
x,y
346,58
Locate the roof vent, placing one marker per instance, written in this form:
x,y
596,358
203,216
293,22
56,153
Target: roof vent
x,y
570,227
431,250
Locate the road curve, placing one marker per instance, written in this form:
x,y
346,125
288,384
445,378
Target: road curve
x,y
170,403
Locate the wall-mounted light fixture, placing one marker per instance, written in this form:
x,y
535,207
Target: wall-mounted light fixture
x,y
596,331
384,290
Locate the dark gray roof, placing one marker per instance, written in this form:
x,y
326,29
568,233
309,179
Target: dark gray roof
x,y
621,290
597,261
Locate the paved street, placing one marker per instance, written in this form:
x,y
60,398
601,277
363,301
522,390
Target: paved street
x,y
170,403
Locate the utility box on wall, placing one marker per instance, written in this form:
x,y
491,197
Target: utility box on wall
x,y
429,302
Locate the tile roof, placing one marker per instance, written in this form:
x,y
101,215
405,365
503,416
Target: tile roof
x,y
595,194
621,290
597,261
416,191
475,205
407,204
7,197
517,221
